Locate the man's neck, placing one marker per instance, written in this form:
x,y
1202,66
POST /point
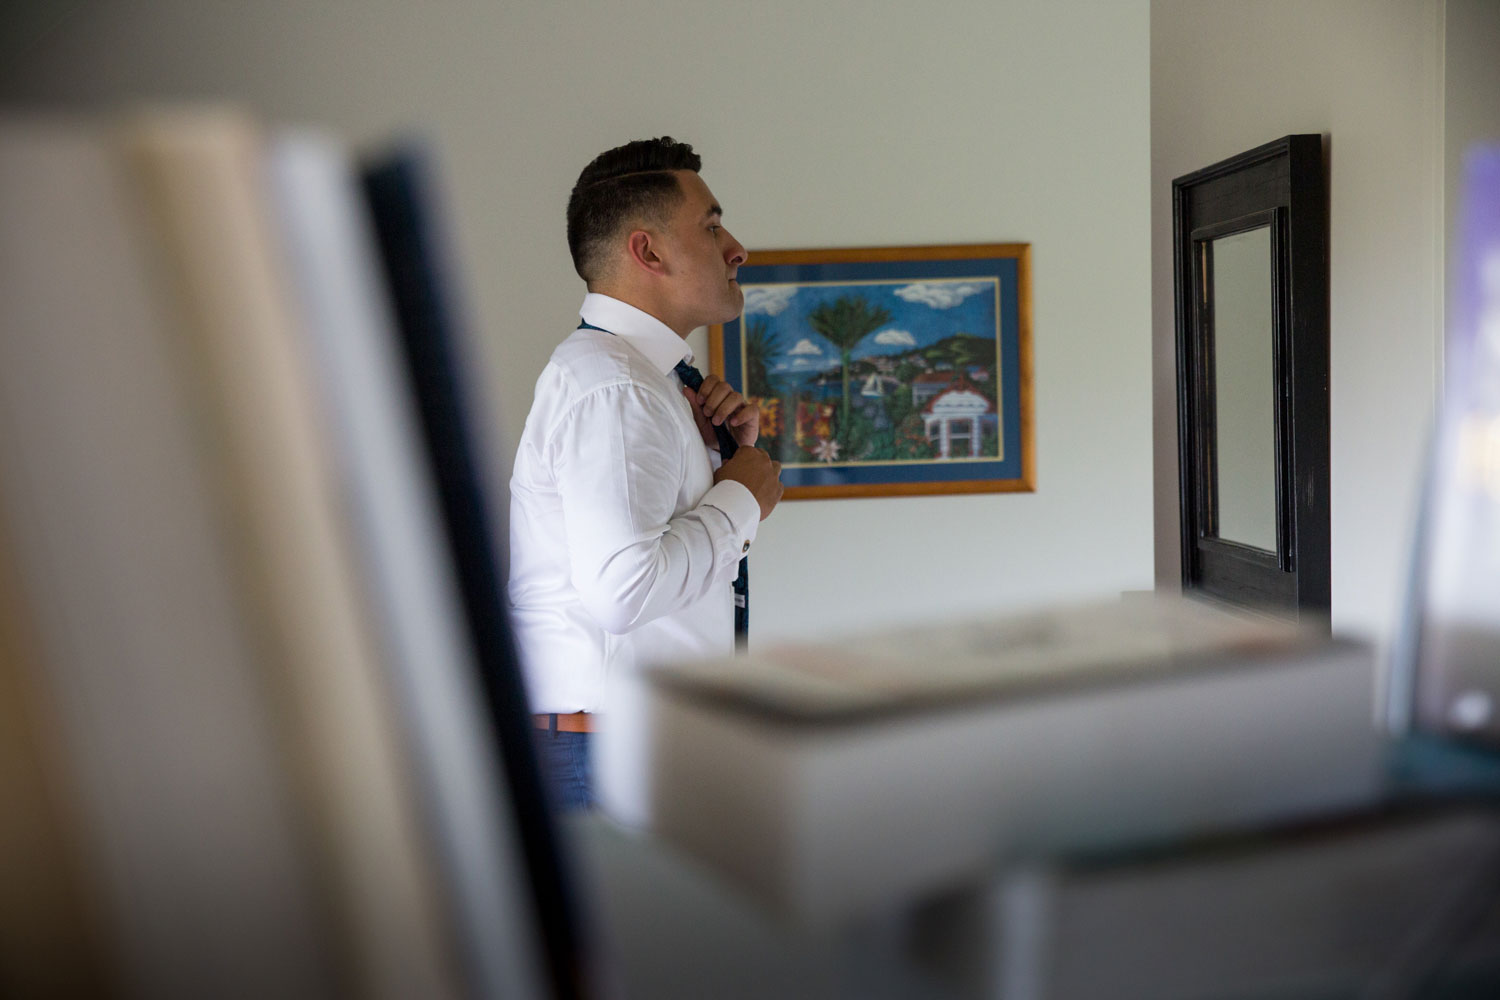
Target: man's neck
x,y
645,302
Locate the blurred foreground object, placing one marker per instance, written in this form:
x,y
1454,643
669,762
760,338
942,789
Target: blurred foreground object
x,y
245,751
835,781
1446,677
1376,904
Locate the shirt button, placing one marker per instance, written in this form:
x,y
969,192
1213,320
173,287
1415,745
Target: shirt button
x,y
745,548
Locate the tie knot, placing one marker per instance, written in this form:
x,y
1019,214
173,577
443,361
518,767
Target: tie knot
x,y
691,377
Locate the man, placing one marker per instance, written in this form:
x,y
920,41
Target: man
x,y
627,527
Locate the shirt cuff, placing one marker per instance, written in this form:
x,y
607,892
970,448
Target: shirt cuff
x,y
739,505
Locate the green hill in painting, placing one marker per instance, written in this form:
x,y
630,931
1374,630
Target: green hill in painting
x,y
959,350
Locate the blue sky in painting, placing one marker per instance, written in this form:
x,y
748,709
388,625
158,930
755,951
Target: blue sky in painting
x,y
922,313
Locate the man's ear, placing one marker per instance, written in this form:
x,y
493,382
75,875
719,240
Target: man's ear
x,y
644,247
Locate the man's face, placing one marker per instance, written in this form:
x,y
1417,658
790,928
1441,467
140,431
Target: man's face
x,y
703,257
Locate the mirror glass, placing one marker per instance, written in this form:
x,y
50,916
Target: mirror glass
x,y
1244,387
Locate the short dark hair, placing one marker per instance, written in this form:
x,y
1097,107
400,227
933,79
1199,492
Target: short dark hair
x,y
628,184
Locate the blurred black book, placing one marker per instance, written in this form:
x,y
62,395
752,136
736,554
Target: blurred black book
x,y
401,191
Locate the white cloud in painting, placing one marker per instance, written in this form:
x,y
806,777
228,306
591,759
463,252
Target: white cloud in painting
x,y
798,365
895,338
805,346
940,294
769,300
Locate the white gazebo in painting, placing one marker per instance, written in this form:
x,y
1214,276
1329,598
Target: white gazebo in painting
x,y
954,417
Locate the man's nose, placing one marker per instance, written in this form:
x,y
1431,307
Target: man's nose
x,y
735,254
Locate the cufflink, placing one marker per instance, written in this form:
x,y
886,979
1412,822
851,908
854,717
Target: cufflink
x,y
745,548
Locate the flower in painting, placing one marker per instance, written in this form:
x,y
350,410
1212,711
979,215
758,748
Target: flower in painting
x,y
823,423
770,415
805,414
826,450
814,420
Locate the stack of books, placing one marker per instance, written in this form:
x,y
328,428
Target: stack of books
x,y
254,668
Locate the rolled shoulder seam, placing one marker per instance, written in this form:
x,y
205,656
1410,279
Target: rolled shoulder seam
x,y
623,381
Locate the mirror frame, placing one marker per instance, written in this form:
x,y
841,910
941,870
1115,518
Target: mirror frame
x,y
1281,185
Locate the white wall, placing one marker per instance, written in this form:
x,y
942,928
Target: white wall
x,y
1228,75
881,123
829,124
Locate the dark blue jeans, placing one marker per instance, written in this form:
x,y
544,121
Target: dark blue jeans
x,y
566,774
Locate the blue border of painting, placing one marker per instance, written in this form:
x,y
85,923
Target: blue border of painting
x,y
1005,269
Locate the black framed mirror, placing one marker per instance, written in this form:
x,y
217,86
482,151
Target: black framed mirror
x,y
1251,259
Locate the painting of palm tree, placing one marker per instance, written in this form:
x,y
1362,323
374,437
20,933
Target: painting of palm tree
x,y
761,350
844,322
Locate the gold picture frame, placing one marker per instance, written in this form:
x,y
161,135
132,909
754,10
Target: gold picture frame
x,y
888,371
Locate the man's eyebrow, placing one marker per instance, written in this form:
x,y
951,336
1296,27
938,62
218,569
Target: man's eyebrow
x,y
713,210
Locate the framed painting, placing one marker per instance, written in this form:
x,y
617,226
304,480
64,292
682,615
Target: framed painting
x,y
888,371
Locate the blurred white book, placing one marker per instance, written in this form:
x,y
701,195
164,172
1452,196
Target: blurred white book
x,y
160,739
831,781
203,172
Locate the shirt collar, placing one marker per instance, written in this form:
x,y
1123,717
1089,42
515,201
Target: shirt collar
x,y
647,334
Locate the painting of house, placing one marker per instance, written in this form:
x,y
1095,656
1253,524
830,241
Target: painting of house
x,y
955,418
927,385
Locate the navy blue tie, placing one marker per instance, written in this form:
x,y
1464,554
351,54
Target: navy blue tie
x,y
693,378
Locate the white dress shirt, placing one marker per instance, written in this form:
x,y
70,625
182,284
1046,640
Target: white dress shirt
x,y
622,548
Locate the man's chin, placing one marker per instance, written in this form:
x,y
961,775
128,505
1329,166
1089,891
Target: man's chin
x,y
737,302
732,308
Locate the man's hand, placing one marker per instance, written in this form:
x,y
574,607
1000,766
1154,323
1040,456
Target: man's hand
x,y
720,404
754,470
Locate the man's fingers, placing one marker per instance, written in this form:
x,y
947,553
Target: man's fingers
x,y
758,472
719,402
728,407
709,384
704,427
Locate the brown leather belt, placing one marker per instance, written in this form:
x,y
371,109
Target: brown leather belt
x,y
577,722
